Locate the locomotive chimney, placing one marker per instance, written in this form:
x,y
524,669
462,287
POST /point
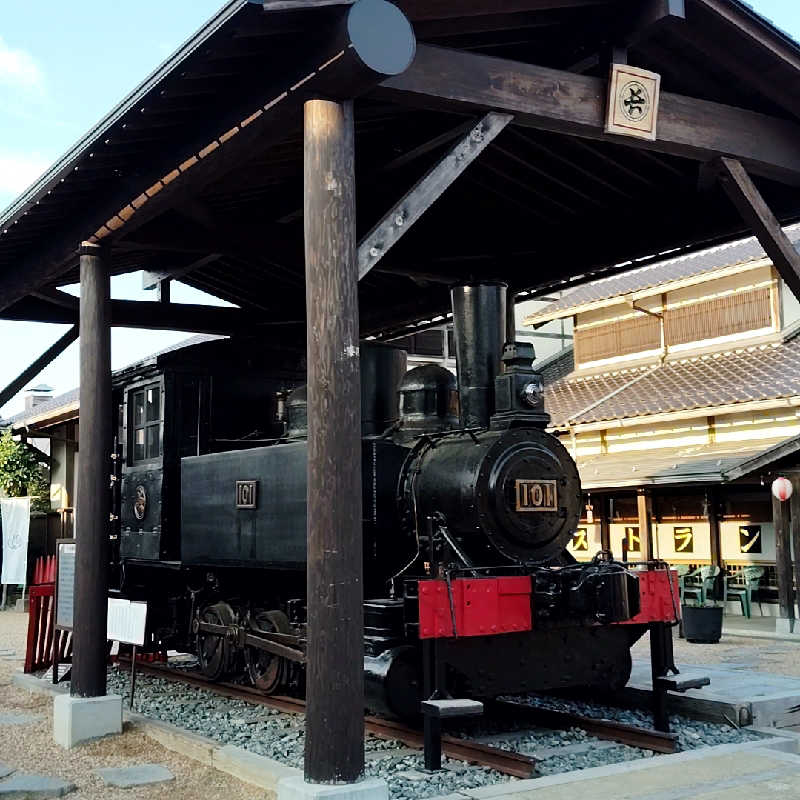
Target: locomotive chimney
x,y
479,322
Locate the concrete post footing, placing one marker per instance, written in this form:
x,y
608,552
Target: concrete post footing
x,y
81,719
783,625
295,788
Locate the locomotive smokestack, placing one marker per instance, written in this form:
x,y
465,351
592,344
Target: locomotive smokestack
x,y
479,322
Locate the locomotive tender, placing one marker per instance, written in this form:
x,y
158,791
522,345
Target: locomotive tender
x,y
468,505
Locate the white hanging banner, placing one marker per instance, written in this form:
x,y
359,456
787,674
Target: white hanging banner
x,y
16,516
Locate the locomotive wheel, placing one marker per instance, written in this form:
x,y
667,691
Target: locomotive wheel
x,y
216,653
266,670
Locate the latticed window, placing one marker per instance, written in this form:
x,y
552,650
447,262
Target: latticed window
x,y
626,336
146,423
719,316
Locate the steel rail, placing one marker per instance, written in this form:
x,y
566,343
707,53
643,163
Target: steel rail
x,y
644,738
504,761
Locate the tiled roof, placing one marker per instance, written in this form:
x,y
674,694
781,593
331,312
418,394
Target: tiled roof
x,y
61,401
68,399
696,464
660,272
766,372
557,366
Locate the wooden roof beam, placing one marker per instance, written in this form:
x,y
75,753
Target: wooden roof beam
x,y
28,374
334,68
422,10
782,93
652,17
566,103
756,213
144,314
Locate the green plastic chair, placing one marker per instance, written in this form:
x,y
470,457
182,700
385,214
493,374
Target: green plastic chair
x,y
684,571
705,586
743,592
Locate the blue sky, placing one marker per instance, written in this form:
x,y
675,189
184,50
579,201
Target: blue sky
x,y
63,65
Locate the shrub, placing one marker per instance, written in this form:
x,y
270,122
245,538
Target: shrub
x,y
21,472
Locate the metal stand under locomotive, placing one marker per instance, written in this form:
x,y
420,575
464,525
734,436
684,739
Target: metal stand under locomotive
x,y
468,505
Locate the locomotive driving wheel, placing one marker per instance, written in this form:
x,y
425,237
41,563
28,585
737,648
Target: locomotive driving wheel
x,y
215,652
266,670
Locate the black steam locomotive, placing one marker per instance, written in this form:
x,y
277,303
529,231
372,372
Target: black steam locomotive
x,y
468,504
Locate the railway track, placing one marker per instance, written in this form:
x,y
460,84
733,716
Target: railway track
x,y
504,761
608,729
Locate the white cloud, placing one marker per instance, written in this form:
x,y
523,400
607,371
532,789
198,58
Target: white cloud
x,y
19,69
18,171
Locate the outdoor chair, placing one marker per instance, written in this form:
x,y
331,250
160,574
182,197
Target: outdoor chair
x,y
743,592
685,572
703,589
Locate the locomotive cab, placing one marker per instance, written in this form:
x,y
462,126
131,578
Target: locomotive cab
x,y
202,398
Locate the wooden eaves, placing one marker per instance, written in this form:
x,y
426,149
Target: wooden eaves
x,y
183,193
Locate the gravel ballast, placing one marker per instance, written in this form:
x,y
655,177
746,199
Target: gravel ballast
x,y
280,736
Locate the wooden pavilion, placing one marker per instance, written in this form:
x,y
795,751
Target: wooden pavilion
x,y
481,154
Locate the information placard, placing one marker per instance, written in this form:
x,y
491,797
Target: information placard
x,y
65,583
127,620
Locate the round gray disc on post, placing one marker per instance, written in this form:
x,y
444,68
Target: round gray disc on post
x,y
382,36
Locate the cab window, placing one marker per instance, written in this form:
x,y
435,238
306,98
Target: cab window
x,y
146,423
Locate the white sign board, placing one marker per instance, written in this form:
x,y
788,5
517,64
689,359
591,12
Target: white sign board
x,y
65,584
16,516
126,621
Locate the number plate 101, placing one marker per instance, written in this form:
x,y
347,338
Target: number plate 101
x,y
536,495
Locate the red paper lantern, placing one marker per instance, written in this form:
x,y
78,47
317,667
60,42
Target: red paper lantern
x,y
782,488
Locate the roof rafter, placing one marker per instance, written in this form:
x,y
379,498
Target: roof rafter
x,y
567,103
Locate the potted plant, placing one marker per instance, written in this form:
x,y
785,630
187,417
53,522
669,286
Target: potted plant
x,y
702,622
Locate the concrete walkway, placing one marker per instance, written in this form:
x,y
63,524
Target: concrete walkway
x,y
736,694
730,772
757,628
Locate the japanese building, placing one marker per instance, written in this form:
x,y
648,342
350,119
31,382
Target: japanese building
x,y
684,397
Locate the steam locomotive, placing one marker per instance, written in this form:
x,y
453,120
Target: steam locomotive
x,y
468,505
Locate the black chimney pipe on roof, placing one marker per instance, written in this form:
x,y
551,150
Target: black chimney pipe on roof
x,y
479,322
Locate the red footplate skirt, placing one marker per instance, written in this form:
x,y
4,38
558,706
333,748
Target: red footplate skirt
x,y
481,606
657,602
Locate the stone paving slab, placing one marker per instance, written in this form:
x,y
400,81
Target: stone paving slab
x,y
740,695
724,772
34,787
5,770
137,775
18,719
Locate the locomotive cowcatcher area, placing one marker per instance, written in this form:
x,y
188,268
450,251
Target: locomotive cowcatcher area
x,y
299,511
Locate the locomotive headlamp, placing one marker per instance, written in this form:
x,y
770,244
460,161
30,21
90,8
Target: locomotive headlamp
x,y
532,393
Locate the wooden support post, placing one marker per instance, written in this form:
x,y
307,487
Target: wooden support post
x,y
756,213
164,291
712,514
644,504
93,501
783,558
334,746
794,477
605,522
37,366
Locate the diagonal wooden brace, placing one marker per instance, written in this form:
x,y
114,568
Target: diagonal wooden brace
x,y
427,190
756,213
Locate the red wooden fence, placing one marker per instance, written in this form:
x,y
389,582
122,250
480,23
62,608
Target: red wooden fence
x,y
42,637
